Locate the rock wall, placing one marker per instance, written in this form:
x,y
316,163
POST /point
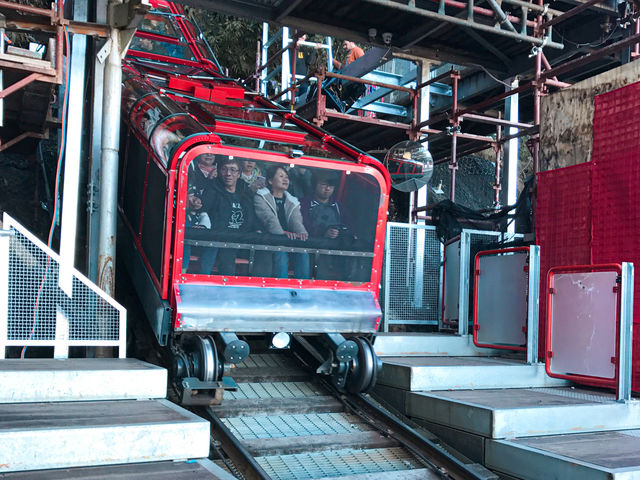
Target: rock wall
x,y
566,127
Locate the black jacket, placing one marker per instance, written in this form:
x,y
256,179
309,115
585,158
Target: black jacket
x,y
230,212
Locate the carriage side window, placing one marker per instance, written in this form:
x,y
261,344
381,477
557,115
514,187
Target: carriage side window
x,y
298,222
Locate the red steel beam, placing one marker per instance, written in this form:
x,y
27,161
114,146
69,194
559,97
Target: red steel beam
x,y
20,84
27,9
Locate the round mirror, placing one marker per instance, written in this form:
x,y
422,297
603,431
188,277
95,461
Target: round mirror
x,y
410,165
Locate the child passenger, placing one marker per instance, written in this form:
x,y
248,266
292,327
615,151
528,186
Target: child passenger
x,y
252,175
279,213
196,217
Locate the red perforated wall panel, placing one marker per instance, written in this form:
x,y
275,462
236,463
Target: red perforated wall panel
x,y
563,225
589,213
616,190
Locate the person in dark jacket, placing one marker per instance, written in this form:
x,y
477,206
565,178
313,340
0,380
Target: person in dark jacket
x,y
322,217
203,172
321,213
229,204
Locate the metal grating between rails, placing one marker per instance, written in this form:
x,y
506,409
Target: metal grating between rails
x,y
299,430
338,463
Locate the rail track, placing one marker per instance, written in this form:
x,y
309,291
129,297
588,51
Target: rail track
x,y
286,423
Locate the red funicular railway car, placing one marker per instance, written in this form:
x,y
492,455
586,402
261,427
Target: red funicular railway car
x,y
243,219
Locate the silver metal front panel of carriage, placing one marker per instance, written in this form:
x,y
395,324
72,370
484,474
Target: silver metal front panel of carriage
x,y
217,308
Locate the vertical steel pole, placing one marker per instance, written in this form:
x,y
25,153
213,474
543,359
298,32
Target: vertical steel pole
x,y
285,77
497,185
109,165
72,159
2,25
424,68
264,58
636,48
625,342
93,185
453,165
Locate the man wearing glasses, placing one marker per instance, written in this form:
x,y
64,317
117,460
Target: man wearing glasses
x,y
229,203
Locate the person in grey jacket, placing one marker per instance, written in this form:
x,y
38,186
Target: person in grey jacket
x,y
279,213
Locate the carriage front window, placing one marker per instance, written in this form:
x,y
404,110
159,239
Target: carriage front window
x,y
273,219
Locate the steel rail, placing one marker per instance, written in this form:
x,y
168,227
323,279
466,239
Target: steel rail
x,y
425,451
237,452
438,458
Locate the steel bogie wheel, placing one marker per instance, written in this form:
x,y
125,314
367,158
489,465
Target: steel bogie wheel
x,y
363,372
218,368
204,357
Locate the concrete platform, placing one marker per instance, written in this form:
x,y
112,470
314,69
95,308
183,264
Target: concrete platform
x,y
461,373
428,344
584,456
38,436
181,470
509,413
51,380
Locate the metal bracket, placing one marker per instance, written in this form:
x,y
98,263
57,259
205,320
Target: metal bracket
x,y
103,53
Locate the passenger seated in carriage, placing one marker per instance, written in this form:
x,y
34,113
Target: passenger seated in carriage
x,y
197,217
203,171
279,213
252,175
229,204
323,218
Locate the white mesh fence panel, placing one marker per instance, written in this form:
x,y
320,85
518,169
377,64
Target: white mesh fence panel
x,y
412,287
38,313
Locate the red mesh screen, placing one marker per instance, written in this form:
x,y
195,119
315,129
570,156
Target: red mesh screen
x,y
616,190
563,225
589,213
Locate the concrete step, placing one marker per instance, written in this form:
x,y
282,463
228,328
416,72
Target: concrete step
x,y
80,379
579,456
428,344
461,373
523,412
202,469
38,436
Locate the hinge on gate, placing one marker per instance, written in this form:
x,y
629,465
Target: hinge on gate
x,y
524,329
476,327
614,360
552,291
478,272
549,354
616,289
525,268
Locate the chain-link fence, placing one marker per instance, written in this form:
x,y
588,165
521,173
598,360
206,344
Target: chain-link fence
x,y
412,288
35,311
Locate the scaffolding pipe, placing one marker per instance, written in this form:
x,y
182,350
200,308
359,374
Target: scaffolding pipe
x,y
486,12
569,14
465,23
497,186
636,47
502,17
363,81
109,166
536,109
442,76
591,56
